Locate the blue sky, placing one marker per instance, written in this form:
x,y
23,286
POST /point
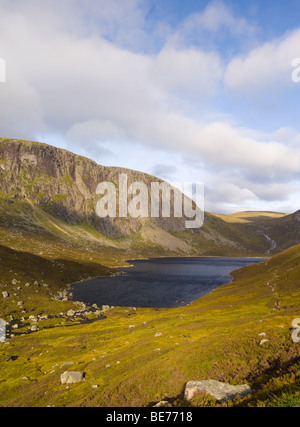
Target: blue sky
x,y
188,90
273,17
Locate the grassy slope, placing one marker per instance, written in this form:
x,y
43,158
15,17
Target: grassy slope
x,y
220,238
250,217
282,228
28,268
216,337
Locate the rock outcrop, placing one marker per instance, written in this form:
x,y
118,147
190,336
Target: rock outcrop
x,y
64,185
72,377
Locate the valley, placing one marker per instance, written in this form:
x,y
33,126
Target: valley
x,y
51,238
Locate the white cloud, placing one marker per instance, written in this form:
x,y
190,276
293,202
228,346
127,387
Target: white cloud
x,y
230,193
165,171
188,72
95,130
121,21
102,96
210,25
21,112
267,66
218,16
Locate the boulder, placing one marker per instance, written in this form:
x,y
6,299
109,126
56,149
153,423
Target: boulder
x,y
220,391
5,294
71,313
163,404
72,377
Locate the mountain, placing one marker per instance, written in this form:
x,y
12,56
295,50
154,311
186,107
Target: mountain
x,y
49,195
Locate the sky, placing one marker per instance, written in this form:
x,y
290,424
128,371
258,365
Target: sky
x,y
186,90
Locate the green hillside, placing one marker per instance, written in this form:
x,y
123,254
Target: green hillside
x,y
50,238
217,337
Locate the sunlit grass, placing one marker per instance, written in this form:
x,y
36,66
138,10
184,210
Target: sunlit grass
x,y
217,337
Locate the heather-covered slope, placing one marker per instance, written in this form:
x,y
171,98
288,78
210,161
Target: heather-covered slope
x,y
239,334
50,238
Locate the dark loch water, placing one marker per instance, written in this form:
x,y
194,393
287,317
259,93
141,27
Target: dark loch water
x,y
160,283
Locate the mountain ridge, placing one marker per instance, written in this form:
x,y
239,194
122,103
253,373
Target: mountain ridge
x,y
240,333
55,190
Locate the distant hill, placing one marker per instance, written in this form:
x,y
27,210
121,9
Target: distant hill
x,y
250,217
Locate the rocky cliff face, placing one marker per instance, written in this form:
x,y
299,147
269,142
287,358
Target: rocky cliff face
x,y
64,185
50,184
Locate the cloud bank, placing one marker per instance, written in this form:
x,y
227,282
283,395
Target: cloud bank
x,y
97,76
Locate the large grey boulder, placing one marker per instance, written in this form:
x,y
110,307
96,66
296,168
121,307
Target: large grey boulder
x,y
72,377
220,391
